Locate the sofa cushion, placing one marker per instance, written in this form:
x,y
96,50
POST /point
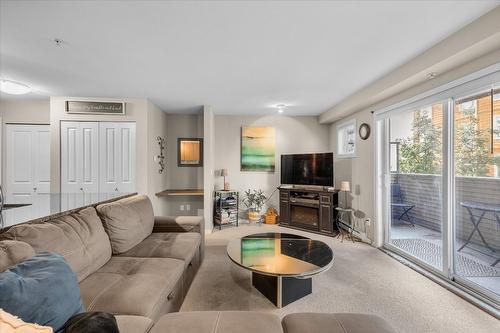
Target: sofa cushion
x,y
79,237
178,224
131,286
127,221
133,324
42,289
13,252
181,246
335,323
218,322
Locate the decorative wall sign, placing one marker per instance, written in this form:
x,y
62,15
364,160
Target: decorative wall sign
x,y
258,148
346,139
95,107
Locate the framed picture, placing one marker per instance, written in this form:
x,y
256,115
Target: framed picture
x,y
258,149
346,139
189,152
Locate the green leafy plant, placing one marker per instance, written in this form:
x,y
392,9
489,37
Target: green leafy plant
x,y
254,200
471,151
421,153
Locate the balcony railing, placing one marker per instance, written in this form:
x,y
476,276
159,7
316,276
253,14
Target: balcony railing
x,y
425,192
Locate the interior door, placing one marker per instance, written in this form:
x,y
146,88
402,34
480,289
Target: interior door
x,y
27,160
27,167
117,157
79,157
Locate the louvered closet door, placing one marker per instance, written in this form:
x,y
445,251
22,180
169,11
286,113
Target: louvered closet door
x,y
79,157
117,157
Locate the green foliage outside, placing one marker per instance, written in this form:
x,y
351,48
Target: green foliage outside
x,y
421,152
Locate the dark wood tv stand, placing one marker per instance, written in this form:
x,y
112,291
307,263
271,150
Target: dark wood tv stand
x,y
311,209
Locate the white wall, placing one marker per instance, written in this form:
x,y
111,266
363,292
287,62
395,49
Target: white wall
x,y
25,111
360,170
157,126
183,126
293,135
208,164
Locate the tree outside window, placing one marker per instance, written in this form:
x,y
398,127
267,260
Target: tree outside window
x,y
421,151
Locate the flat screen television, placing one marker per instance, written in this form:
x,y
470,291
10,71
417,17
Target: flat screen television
x,y
307,169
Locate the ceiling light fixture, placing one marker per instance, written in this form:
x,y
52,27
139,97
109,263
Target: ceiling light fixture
x,y
281,107
13,88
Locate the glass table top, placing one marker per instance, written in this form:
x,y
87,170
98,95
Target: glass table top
x,y
280,254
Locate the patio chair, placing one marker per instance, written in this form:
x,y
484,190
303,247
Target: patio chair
x,y
399,206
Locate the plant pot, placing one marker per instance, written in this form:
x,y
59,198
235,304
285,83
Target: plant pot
x,y
253,216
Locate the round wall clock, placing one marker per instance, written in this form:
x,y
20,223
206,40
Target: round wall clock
x,y
364,131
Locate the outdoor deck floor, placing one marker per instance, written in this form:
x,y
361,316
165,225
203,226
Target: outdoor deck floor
x,y
478,254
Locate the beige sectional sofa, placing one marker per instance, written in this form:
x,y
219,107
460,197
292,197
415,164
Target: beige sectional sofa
x,y
139,267
121,265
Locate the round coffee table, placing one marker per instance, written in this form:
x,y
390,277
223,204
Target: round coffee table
x,y
281,264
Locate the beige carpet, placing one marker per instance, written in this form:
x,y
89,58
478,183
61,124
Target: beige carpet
x,y
362,279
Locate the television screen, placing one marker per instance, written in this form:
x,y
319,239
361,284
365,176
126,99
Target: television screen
x,y
307,169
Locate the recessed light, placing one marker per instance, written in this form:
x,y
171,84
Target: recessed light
x,y
281,107
14,88
58,42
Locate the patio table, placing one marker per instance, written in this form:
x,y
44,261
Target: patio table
x,y
482,208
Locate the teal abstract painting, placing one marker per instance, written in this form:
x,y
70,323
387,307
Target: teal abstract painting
x,y
258,148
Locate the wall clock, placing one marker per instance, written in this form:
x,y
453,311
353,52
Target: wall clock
x,y
364,131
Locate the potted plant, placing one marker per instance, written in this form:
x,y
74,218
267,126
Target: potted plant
x,y
254,201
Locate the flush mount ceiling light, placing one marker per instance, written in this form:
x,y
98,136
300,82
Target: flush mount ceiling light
x,y
13,88
281,107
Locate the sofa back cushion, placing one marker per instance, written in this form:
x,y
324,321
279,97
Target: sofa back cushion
x,y
79,237
127,221
42,289
13,252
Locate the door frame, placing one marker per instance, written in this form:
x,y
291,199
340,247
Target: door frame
x,y
448,91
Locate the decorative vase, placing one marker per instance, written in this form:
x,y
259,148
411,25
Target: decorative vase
x,y
253,216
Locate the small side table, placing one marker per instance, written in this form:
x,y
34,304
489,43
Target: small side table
x,y
345,218
226,208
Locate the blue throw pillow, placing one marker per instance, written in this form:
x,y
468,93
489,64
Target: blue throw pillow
x,y
42,290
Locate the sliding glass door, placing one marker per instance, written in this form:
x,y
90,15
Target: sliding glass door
x,y
416,183
438,183
477,190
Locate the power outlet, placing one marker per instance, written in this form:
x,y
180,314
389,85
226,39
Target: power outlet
x,y
181,208
188,207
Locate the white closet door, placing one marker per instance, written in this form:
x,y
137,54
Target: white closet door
x,y
117,157
90,156
27,161
79,157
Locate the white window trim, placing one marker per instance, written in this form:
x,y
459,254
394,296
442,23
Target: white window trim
x,y
341,138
